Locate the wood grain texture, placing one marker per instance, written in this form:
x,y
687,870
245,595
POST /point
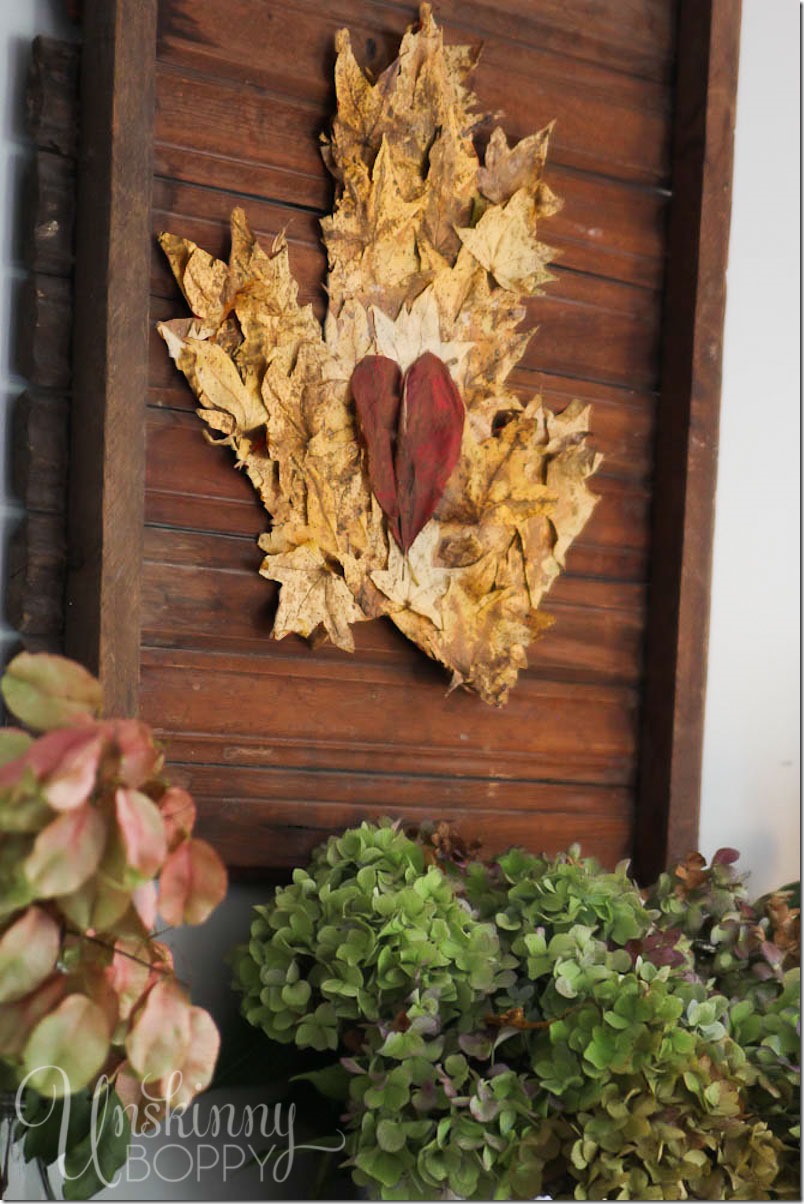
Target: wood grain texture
x,y
210,131
234,824
605,228
313,713
608,122
111,315
204,592
686,451
629,38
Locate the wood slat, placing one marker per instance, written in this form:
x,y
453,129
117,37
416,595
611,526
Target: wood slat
x,y
622,434
359,716
193,484
36,558
260,142
589,329
231,553
237,827
253,784
205,592
636,38
51,96
609,123
604,228
43,335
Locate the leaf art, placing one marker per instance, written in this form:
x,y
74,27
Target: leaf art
x,y
403,476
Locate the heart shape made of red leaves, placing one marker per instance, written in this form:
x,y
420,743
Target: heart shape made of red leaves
x,y
412,426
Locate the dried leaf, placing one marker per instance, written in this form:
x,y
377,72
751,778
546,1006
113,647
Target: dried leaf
x,y
428,445
503,242
436,499
412,431
312,596
414,581
377,393
507,169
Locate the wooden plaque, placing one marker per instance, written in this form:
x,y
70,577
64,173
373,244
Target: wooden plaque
x,y
190,107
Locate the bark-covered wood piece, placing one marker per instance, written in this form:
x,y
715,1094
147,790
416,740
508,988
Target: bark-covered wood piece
x,y
37,552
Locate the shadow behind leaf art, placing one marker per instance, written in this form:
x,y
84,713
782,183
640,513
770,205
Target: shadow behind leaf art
x,y
402,475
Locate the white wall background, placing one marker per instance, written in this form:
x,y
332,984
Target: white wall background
x,y
751,748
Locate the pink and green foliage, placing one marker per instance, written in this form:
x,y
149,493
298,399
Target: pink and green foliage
x,y
94,844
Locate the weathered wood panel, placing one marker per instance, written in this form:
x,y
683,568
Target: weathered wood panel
x,y
282,744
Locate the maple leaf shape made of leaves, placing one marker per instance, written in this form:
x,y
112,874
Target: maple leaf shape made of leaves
x,y
430,252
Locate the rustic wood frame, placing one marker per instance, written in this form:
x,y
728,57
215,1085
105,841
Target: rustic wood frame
x,y
110,343
668,796
106,459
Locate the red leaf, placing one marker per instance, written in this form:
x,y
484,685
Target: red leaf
x,y
377,391
412,430
429,443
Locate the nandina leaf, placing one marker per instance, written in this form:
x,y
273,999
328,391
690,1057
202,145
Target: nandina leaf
x,y
377,392
184,1082
66,758
46,691
192,883
159,1039
66,852
428,444
142,831
67,1048
139,757
178,812
412,430
128,975
17,1020
28,952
